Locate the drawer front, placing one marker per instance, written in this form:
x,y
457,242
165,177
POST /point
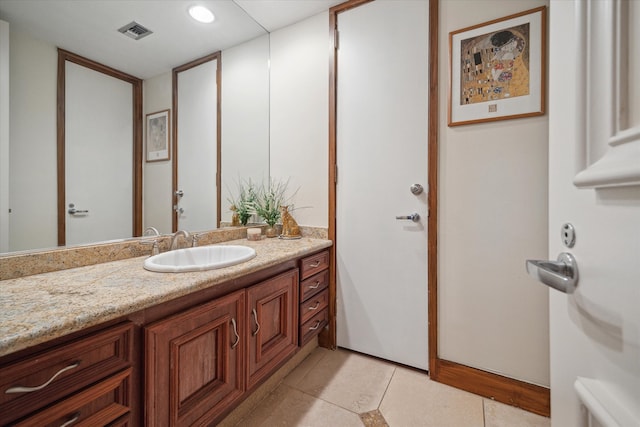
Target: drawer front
x,y
314,264
99,405
314,305
313,326
39,380
313,285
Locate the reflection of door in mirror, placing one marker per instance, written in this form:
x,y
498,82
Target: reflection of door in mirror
x,y
197,144
96,181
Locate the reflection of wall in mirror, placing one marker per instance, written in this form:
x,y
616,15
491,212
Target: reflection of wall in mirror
x,y
245,117
4,136
33,191
156,180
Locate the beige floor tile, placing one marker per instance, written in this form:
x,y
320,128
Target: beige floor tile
x,y
412,399
294,378
290,407
350,380
500,415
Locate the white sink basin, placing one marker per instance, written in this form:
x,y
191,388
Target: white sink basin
x,y
199,259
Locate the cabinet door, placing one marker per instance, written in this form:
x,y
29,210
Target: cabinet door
x,y
273,324
194,363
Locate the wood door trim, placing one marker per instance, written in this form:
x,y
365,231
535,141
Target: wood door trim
x,y
136,86
174,132
527,396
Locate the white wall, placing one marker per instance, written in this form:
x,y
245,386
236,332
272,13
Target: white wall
x,y
33,174
4,136
245,117
156,179
493,216
299,115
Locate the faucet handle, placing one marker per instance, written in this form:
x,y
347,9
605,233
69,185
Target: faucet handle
x,y
155,249
194,239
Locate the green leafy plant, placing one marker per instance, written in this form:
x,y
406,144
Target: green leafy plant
x,y
245,203
269,199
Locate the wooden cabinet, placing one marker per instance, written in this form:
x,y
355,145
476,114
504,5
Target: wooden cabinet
x,y
194,363
188,361
314,295
272,307
87,380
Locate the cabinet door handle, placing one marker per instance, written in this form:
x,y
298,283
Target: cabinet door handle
x,y
315,264
74,418
316,326
255,318
316,285
21,389
315,307
235,332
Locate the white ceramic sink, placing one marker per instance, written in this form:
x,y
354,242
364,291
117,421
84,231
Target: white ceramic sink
x,y
199,259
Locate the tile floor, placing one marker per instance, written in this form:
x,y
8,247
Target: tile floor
x,y
341,388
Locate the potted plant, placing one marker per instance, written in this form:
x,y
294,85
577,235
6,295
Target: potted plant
x,y
267,204
244,206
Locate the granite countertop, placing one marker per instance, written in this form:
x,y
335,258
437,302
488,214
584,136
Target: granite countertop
x,y
39,308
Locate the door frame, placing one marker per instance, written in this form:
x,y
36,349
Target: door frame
x,y
524,395
136,87
174,91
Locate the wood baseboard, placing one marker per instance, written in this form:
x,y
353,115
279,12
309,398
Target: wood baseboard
x,y
530,397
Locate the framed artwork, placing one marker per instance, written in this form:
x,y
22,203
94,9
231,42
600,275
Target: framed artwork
x,y
497,69
158,147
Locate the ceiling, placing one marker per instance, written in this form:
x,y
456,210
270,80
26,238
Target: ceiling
x,y
89,27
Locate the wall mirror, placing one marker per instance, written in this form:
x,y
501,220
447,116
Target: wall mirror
x,y
35,28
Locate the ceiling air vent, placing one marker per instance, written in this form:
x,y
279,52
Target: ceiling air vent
x,y
135,30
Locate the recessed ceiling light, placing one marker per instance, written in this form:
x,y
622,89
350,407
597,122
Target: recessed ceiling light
x,y
201,14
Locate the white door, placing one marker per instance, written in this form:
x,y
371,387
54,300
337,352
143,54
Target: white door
x,y
197,147
98,156
595,331
382,89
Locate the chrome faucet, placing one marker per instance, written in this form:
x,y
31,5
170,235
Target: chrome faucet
x,y
174,238
151,231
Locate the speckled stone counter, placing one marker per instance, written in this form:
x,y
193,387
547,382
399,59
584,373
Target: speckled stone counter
x,y
39,308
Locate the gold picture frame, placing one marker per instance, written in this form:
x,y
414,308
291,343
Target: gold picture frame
x,y
498,68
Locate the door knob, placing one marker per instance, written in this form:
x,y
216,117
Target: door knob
x,y
561,274
73,211
416,189
413,217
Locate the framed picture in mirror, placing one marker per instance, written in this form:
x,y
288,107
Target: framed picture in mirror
x,y
158,146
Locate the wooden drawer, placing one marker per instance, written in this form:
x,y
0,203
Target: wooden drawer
x,y
98,405
314,305
314,264
313,326
313,285
63,370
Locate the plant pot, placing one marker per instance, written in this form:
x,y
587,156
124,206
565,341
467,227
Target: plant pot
x,y
271,232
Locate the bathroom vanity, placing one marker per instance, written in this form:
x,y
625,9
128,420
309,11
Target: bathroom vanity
x,y
114,344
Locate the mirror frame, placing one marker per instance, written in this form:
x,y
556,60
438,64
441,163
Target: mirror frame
x,y
174,83
136,85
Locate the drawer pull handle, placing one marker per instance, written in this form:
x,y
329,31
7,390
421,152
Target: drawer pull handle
x,y
20,389
315,264
255,318
315,307
75,417
316,285
235,332
316,326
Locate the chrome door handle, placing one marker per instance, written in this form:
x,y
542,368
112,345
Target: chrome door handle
x,y
413,217
73,211
561,274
